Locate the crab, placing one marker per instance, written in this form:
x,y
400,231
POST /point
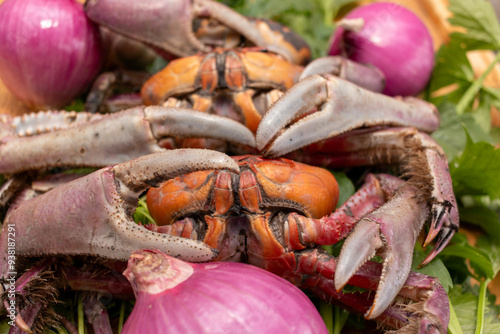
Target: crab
x,y
390,231
269,212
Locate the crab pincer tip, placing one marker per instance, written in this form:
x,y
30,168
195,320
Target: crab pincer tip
x,y
433,232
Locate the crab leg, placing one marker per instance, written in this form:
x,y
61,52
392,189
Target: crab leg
x,y
110,139
92,215
392,229
365,76
330,229
428,314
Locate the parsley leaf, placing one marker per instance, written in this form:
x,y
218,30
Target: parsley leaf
x,y
478,18
465,306
451,134
452,69
477,170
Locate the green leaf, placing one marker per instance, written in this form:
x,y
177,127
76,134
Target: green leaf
x,y
491,245
478,18
435,269
477,170
346,187
451,134
452,68
478,258
465,307
454,324
141,214
76,105
483,217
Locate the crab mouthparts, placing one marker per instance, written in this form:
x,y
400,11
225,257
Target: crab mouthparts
x,y
233,244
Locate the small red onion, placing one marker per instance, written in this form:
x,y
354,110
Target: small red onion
x,y
219,297
49,51
391,38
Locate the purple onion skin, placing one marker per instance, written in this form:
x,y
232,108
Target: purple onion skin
x,y
49,51
393,39
218,297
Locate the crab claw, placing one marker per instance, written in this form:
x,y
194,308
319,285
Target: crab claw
x,y
368,77
92,215
342,106
390,231
91,140
135,20
168,25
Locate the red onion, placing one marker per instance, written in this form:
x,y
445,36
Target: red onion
x,y
391,38
219,297
49,51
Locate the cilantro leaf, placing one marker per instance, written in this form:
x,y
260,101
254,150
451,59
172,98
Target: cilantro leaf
x,y
477,170
478,18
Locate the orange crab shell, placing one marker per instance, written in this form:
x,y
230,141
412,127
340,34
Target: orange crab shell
x,y
262,184
238,69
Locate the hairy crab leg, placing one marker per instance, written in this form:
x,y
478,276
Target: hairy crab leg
x,y
423,160
365,76
92,215
389,229
112,139
428,314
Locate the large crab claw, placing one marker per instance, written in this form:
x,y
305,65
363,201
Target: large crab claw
x,y
94,140
168,26
343,106
391,230
366,76
92,215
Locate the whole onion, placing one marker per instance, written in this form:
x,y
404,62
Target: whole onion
x,y
219,297
391,38
49,50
